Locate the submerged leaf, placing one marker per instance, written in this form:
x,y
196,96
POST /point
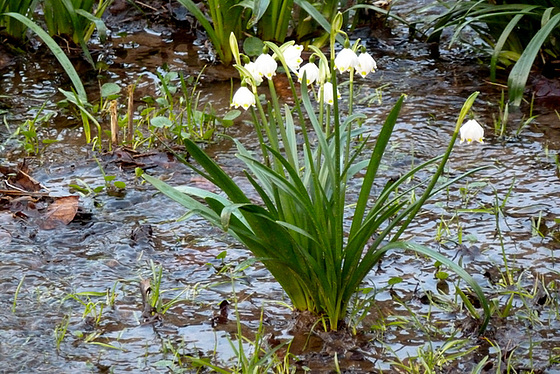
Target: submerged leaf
x,y
62,211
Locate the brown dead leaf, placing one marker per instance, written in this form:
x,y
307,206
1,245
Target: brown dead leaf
x,y
63,210
149,313
20,178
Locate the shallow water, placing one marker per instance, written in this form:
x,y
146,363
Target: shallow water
x,y
112,242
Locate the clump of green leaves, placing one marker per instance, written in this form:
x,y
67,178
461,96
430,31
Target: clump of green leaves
x,y
13,27
111,185
27,133
174,113
299,231
154,292
264,20
75,20
516,31
94,303
177,113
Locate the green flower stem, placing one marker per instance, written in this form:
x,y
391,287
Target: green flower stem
x,y
266,126
420,202
350,107
280,57
258,129
339,184
275,117
351,93
267,130
301,117
322,108
328,129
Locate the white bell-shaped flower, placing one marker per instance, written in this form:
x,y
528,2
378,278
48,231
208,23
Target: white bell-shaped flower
x,y
266,65
311,73
255,74
243,98
328,93
471,131
292,56
346,60
366,64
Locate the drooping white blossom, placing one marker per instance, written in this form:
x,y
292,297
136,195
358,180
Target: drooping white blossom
x,y
243,97
471,131
328,93
311,73
346,60
266,66
292,56
366,64
252,68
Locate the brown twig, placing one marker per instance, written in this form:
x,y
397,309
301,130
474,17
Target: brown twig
x,y
114,123
129,113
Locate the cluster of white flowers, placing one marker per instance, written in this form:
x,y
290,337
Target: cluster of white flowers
x,y
265,66
347,60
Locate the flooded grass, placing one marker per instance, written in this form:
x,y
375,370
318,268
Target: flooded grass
x,y
72,297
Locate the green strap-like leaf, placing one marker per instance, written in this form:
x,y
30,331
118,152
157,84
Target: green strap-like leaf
x,y
373,166
520,73
215,173
262,193
435,256
259,7
200,17
183,199
203,194
318,17
502,40
457,270
99,24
